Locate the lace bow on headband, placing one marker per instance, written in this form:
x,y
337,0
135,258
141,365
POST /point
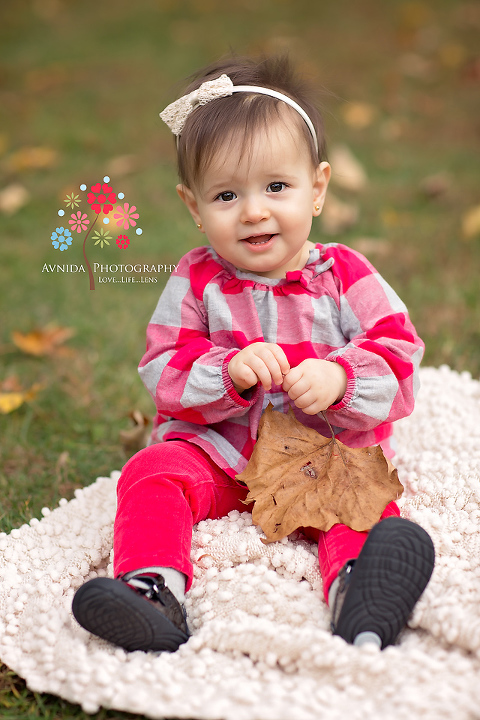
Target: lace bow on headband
x,y
177,112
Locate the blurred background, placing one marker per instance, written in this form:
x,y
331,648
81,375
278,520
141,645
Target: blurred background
x,y
81,86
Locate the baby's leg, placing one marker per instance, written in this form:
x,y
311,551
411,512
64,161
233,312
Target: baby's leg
x,y
341,544
163,491
372,581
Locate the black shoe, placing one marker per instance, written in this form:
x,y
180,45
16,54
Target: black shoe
x,y
378,591
141,614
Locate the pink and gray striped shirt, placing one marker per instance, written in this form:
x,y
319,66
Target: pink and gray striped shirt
x,y
336,308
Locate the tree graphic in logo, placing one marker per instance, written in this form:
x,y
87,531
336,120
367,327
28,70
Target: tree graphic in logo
x,y
102,200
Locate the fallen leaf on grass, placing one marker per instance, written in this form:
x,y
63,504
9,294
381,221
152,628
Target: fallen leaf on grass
x,y
122,165
347,172
12,198
31,158
471,222
136,438
436,185
298,478
359,115
12,395
61,466
453,55
44,341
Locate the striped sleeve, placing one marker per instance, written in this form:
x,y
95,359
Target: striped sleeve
x,y
185,373
383,352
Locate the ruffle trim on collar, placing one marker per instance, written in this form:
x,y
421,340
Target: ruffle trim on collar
x,y
314,267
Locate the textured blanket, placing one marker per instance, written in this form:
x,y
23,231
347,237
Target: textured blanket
x,y
261,647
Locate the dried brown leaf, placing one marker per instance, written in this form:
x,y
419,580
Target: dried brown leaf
x,y
62,464
122,165
12,198
471,222
136,437
31,158
298,478
347,172
12,395
437,185
359,115
44,341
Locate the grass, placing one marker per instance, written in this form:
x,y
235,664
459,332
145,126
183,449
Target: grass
x,y
86,80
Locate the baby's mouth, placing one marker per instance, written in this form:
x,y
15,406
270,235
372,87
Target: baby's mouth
x,y
258,239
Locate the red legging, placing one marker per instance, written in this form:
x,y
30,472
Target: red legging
x,y
167,488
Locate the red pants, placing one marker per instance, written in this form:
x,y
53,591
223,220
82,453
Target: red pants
x,y
168,487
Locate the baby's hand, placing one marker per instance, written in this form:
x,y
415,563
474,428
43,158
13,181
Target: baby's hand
x,y
315,384
259,362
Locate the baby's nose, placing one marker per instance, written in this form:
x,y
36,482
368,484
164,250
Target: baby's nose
x,y
254,210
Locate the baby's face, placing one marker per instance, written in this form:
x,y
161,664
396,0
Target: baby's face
x,y
256,208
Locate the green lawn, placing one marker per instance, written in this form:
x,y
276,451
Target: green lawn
x,y
85,81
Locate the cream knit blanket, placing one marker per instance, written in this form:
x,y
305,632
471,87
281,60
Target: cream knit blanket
x,y
261,648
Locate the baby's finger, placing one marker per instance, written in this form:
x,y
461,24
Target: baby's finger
x,y
310,403
281,358
265,354
312,409
298,390
261,370
292,377
274,369
302,398
243,376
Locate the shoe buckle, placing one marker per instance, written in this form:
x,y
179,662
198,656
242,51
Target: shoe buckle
x,y
150,587
344,580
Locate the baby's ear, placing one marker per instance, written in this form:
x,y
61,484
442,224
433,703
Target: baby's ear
x,y
187,196
320,184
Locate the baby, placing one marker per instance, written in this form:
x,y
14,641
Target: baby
x,y
260,314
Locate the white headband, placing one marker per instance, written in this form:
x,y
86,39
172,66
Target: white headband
x,y
177,112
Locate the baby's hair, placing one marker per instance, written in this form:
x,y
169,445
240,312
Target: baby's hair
x,y
241,114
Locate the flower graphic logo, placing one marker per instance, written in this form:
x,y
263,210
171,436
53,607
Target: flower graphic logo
x,y
101,198
79,221
72,200
102,237
61,238
125,216
122,241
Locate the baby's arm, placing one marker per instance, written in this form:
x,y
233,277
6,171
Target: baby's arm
x,y
259,362
315,384
186,372
382,351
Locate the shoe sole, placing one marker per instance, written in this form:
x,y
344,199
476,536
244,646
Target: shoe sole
x,y
112,611
389,576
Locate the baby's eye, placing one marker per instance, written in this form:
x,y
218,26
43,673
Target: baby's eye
x,y
276,187
226,196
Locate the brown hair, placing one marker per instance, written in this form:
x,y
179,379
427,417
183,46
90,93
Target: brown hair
x,y
212,125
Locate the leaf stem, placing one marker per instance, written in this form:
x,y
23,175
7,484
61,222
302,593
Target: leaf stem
x,y
334,438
